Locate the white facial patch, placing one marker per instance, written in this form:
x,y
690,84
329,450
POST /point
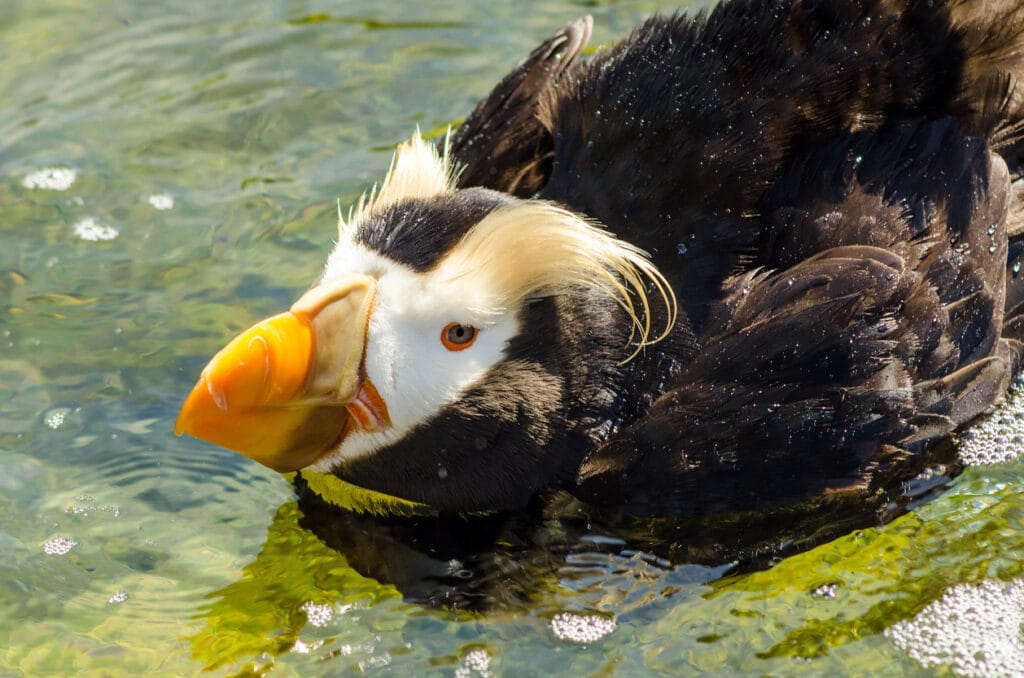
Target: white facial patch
x,y
413,372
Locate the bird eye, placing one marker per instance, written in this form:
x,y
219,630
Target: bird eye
x,y
457,337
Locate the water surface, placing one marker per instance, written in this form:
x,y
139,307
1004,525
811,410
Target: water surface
x,y
169,174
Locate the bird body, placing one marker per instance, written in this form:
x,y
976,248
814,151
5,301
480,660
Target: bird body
x,y
825,192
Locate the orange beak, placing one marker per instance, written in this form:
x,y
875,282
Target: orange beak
x,y
287,390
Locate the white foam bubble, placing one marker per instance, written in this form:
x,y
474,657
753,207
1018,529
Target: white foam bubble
x,y
975,630
161,201
475,663
59,546
92,230
1000,437
581,628
55,418
317,614
51,179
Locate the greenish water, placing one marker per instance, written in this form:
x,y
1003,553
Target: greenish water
x,y
208,144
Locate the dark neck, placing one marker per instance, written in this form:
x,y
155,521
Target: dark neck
x,y
603,392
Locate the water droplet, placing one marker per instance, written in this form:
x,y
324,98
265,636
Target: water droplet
x,y
681,248
1016,267
442,473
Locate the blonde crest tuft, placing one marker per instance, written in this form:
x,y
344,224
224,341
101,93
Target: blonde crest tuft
x,y
533,249
525,250
417,171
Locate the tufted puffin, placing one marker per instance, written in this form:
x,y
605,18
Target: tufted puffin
x,y
761,255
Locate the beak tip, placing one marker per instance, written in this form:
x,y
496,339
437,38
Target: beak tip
x,y
185,423
254,396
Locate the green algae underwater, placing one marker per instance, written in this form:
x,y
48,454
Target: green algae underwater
x,y
169,173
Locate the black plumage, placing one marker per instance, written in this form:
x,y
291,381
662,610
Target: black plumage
x,y
883,333
827,185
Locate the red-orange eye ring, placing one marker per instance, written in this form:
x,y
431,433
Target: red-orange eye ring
x,y
458,337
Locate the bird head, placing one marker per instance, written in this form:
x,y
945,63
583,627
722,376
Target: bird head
x,y
428,363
